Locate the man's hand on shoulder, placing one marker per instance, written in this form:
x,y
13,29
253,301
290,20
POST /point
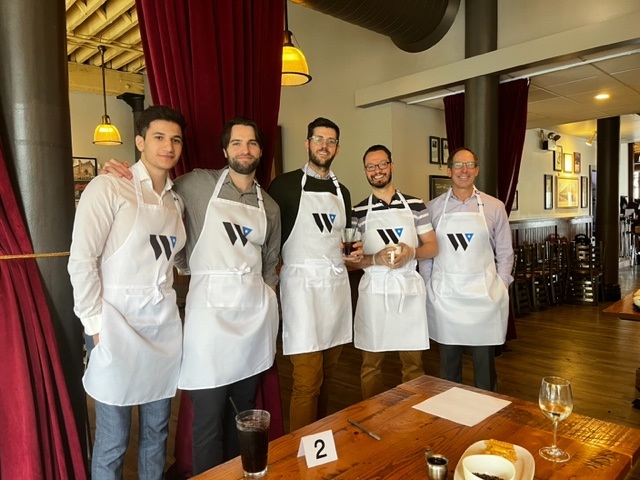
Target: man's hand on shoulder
x,y
117,168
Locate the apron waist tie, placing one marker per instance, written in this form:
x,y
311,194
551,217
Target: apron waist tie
x,y
243,270
155,295
392,274
334,269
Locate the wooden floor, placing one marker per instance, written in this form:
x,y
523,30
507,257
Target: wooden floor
x,y
598,354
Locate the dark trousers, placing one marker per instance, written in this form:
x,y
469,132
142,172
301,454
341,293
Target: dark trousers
x,y
215,439
484,367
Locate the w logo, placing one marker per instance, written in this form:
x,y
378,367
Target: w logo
x,y
460,240
161,243
324,221
390,235
235,232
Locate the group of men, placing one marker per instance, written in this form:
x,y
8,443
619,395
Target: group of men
x,y
132,225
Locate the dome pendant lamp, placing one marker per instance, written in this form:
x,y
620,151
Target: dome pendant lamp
x,y
295,70
105,133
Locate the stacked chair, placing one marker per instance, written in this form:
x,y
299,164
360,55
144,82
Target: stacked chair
x,y
584,284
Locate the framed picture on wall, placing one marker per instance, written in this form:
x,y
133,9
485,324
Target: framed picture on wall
x,y
444,150
568,192
577,162
514,205
568,163
434,150
584,192
548,192
438,184
84,168
557,161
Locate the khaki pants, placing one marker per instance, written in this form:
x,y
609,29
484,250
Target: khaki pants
x,y
371,371
312,374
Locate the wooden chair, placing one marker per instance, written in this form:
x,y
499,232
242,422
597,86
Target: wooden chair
x,y
585,273
519,289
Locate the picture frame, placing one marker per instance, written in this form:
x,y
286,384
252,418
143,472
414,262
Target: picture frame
x,y
84,168
577,162
444,150
548,192
557,161
567,165
558,158
584,192
438,184
434,150
514,205
568,190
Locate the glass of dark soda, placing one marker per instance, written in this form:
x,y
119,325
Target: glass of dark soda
x,y
253,437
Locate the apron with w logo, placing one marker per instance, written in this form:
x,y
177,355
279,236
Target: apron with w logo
x,y
467,302
314,286
231,315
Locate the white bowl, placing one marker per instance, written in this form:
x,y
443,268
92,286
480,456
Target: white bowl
x,y
488,464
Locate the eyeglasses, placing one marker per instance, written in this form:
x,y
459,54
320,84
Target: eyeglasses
x,y
372,168
332,142
459,165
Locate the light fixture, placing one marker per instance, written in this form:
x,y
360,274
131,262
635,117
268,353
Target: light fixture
x,y
295,70
553,136
105,133
591,140
602,96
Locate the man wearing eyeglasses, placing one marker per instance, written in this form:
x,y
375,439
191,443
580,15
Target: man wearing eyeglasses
x,y
467,299
314,288
391,314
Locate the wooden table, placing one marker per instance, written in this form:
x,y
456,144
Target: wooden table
x,y
623,308
599,450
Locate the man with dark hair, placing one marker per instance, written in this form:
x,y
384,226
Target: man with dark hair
x,y
314,289
391,313
231,314
125,237
467,298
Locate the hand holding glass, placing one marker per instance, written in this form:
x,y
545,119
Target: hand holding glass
x,y
349,237
556,402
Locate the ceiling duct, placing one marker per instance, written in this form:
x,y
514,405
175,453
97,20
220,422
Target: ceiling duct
x,y
413,25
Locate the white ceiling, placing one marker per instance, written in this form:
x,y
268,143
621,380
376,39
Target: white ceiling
x,y
561,95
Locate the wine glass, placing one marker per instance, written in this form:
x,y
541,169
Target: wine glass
x,y
556,402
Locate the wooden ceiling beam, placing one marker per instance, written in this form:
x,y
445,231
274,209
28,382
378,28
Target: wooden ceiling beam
x,y
87,78
81,11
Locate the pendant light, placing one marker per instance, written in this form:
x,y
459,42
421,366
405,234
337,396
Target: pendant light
x,y
105,133
295,70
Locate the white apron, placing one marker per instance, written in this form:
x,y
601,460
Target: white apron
x,y
138,357
314,286
391,313
467,302
231,315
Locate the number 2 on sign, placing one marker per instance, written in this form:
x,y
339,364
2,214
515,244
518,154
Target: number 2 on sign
x,y
318,449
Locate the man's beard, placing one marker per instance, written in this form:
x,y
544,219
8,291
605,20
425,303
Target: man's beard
x,y
243,168
385,181
322,164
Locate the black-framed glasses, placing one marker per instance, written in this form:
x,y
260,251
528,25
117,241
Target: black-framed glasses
x,y
382,166
459,165
318,140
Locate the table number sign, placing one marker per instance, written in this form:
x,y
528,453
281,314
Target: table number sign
x,y
318,449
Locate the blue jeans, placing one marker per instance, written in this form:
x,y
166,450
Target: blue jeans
x,y
113,424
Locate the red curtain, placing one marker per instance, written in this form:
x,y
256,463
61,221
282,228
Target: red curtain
x,y
213,60
454,121
512,125
39,438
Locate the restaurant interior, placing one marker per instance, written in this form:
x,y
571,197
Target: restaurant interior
x,y
571,202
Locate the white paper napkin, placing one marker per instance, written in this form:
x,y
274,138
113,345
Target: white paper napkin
x,y
462,406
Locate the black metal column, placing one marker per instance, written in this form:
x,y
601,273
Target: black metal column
x,y
136,102
36,127
607,206
481,93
